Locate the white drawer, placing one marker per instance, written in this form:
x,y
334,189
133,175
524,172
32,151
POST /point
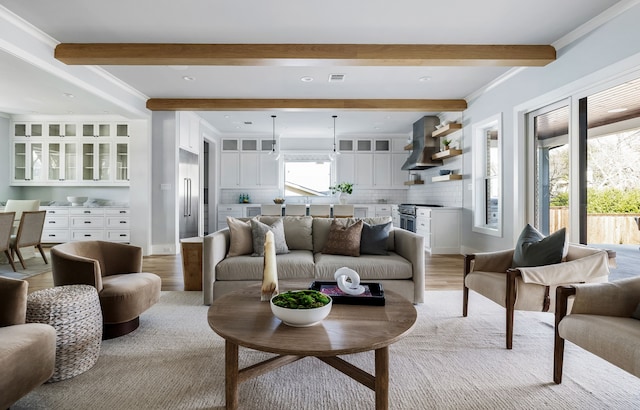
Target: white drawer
x,y
87,222
53,222
424,212
117,222
55,235
118,236
86,211
117,212
423,225
56,212
87,235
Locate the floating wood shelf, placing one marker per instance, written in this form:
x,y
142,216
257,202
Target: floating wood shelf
x,y
446,130
450,177
417,182
408,147
447,154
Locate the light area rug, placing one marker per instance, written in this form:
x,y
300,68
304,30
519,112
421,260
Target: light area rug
x,y
175,361
34,265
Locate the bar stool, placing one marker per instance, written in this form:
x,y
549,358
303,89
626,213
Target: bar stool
x,y
343,211
271,210
320,210
295,210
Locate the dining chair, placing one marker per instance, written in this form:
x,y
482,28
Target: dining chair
x,y
29,234
295,210
320,210
19,206
271,210
343,211
6,225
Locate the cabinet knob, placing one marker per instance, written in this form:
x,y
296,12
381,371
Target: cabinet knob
x,y
87,235
123,222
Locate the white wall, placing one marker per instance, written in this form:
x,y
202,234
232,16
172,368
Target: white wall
x,y
608,51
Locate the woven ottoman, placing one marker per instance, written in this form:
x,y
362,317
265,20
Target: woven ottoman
x,y
74,311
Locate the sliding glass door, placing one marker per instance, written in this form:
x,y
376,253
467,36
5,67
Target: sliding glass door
x,y
549,182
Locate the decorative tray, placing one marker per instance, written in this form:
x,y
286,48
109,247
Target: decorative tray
x,y
373,294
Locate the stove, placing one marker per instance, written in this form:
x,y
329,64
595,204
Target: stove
x,y
408,215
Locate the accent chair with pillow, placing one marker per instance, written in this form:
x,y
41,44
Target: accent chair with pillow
x,y
525,278
115,270
602,318
313,248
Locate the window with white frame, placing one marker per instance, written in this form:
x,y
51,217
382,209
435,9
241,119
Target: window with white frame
x,y
487,176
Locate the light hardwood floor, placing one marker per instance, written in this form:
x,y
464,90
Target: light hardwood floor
x,y
442,272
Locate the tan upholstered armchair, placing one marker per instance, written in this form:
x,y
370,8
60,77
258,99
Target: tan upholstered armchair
x,y
27,350
604,319
531,288
115,269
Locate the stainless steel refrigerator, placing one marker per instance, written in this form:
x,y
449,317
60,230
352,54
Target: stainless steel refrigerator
x,y
189,174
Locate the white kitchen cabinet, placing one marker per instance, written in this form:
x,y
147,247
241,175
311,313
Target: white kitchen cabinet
x,y
363,171
97,130
345,167
246,163
62,161
382,210
63,224
28,129
189,130
440,229
96,161
234,211
395,216
28,162
69,153
382,175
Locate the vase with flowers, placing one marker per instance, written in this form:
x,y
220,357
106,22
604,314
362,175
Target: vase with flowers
x,y
344,188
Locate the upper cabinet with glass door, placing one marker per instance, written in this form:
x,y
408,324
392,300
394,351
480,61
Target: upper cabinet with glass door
x,y
70,153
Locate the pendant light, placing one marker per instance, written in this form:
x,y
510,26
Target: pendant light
x,y
335,152
273,140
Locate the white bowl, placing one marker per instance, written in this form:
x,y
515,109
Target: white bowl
x,y
301,317
77,200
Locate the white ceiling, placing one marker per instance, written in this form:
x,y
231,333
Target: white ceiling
x,y
26,89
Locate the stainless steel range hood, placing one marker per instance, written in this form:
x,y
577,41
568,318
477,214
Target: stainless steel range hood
x,y
424,146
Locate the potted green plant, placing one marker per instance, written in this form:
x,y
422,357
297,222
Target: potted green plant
x,y
446,142
345,188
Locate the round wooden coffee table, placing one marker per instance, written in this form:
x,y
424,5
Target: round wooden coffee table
x,y
243,320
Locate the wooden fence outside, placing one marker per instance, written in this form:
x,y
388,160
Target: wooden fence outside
x,y
601,228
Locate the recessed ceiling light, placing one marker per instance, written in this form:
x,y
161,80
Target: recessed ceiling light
x,y
306,79
69,95
227,116
424,79
615,110
187,78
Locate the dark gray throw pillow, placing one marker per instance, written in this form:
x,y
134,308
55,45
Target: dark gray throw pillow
x,y
534,249
373,240
259,230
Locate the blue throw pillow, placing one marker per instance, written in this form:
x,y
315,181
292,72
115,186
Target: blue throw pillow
x,y
374,239
534,249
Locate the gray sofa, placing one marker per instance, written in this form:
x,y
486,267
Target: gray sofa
x,y
401,270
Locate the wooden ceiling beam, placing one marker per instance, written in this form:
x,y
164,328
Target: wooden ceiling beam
x,y
304,54
212,104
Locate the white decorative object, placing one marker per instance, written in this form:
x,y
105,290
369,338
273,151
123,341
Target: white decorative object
x,y
77,200
270,272
351,287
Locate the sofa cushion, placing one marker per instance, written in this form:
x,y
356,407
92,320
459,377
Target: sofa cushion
x,y
320,232
297,230
259,230
368,267
297,264
374,239
240,237
534,249
344,240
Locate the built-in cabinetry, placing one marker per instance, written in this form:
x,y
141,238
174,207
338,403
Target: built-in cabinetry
x,y
395,216
63,224
440,228
189,132
70,153
371,163
236,211
247,163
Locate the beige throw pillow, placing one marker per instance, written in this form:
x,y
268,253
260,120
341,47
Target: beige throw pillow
x,y
344,240
240,238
